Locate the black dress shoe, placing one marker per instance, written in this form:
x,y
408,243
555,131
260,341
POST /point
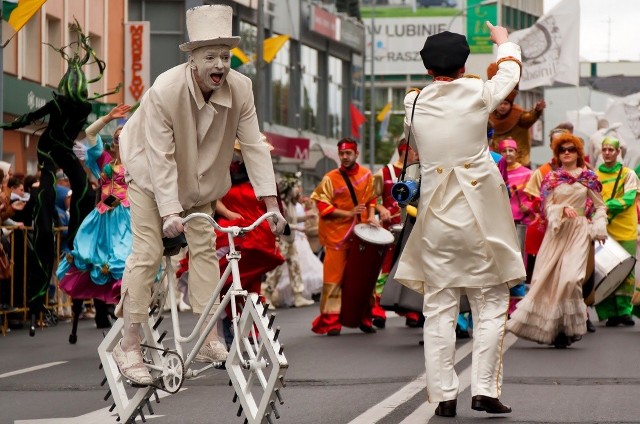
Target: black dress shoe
x,y
379,322
447,408
489,405
367,329
590,327
333,332
612,322
627,321
561,341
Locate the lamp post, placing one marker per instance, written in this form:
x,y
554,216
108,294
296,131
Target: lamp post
x,y
372,125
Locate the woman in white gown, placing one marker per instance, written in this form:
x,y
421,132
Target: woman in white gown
x,y
553,311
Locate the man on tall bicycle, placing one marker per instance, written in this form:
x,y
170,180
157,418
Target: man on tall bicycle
x,y
177,148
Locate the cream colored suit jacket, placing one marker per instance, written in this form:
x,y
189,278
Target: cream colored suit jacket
x,y
178,148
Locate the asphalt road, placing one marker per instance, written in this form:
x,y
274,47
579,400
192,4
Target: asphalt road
x,y
352,379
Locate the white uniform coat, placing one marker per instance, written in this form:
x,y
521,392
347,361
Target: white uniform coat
x,y
464,235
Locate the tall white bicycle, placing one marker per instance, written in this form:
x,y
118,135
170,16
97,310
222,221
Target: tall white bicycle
x,y
256,364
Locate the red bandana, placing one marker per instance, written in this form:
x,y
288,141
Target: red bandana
x,y
347,145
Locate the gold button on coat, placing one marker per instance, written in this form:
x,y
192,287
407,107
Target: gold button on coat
x,y
439,170
474,183
467,165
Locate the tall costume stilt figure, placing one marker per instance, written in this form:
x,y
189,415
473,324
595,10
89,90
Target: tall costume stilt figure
x,y
67,111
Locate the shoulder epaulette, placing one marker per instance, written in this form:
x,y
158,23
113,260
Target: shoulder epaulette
x,y
413,89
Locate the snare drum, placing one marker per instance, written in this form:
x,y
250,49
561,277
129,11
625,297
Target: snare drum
x,y
364,262
613,264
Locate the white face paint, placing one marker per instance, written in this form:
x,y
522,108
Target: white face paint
x,y
210,66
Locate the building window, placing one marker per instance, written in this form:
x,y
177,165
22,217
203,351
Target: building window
x,y
53,60
309,105
9,53
248,41
92,71
32,61
280,85
335,97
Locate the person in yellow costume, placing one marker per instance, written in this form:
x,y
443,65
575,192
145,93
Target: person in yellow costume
x,y
619,190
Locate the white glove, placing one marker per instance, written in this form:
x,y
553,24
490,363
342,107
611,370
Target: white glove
x,y
172,226
80,150
277,223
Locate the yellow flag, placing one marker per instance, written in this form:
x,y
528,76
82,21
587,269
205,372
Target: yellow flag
x,y
23,12
383,112
272,46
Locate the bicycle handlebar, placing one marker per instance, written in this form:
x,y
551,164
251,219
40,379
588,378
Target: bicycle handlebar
x,y
235,230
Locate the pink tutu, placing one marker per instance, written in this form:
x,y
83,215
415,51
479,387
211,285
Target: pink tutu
x,y
78,285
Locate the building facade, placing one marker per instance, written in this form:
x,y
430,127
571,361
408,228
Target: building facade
x,y
33,69
303,95
399,30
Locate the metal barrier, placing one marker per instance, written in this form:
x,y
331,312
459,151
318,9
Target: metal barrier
x,y
56,307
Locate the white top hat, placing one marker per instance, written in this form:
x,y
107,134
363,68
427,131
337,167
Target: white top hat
x,y
209,25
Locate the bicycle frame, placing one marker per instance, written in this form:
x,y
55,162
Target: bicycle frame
x,y
230,298
256,365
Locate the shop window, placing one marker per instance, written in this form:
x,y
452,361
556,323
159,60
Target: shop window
x,y
31,49
280,86
335,97
53,60
310,78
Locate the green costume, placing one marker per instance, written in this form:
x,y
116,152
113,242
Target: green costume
x,y
622,227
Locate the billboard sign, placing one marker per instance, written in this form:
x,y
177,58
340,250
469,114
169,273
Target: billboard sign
x,y
398,41
137,62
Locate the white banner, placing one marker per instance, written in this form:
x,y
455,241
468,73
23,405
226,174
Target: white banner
x,y
551,47
137,61
625,113
398,42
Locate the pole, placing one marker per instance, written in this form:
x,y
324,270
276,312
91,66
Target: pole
x,y
260,89
1,93
372,125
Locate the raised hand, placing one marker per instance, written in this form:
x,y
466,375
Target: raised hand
x,y
498,33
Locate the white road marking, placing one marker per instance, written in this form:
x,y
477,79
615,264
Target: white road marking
x,y
427,410
36,368
387,406
101,416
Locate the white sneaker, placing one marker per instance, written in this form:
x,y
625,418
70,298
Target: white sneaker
x,y
131,366
212,352
299,301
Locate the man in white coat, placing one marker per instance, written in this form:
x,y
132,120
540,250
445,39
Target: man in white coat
x,y
464,237
177,148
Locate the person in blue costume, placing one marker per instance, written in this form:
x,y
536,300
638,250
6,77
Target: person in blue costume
x,y
94,268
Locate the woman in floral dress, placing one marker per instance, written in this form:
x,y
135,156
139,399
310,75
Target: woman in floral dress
x,y
553,311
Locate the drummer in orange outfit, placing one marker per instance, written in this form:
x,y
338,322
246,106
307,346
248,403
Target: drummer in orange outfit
x,y
338,217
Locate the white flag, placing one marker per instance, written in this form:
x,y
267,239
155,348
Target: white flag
x,y
550,48
625,113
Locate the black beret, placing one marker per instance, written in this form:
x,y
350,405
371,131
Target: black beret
x,y
445,51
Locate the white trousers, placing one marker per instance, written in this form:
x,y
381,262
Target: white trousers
x,y
489,308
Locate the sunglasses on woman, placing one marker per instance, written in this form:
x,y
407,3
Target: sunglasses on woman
x,y
571,149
